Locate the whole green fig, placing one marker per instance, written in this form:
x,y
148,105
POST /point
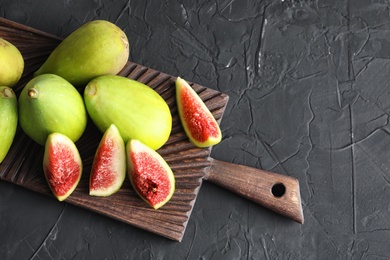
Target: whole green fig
x,y
50,104
11,64
96,48
8,119
135,109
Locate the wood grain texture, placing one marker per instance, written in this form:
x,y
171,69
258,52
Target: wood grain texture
x,y
276,192
23,164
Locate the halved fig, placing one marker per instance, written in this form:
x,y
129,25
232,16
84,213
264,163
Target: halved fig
x,y
109,165
62,165
199,124
149,174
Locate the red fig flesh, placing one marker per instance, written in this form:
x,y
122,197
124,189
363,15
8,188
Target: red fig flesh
x,y
199,124
62,165
109,165
149,174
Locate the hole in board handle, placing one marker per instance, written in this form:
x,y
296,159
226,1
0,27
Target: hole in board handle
x,y
278,190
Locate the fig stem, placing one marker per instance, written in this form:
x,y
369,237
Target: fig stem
x,y
7,93
32,93
90,90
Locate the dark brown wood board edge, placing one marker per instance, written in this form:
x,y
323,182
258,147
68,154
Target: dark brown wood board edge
x,y
23,164
11,25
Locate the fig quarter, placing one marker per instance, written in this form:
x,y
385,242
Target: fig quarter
x,y
149,174
109,165
198,122
62,165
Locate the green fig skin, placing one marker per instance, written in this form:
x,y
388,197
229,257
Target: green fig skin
x,y
50,104
96,48
137,110
8,120
11,64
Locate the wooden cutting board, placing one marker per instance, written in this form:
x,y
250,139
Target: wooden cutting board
x,y
23,164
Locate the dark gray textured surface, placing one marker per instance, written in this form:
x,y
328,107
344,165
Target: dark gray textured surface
x,y
309,97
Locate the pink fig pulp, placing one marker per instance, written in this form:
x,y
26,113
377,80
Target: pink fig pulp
x,y
198,122
62,165
149,174
109,165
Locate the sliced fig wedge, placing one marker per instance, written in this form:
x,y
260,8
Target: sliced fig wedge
x,y
149,174
199,124
109,165
62,165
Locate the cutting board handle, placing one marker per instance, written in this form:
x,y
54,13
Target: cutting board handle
x,y
276,192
